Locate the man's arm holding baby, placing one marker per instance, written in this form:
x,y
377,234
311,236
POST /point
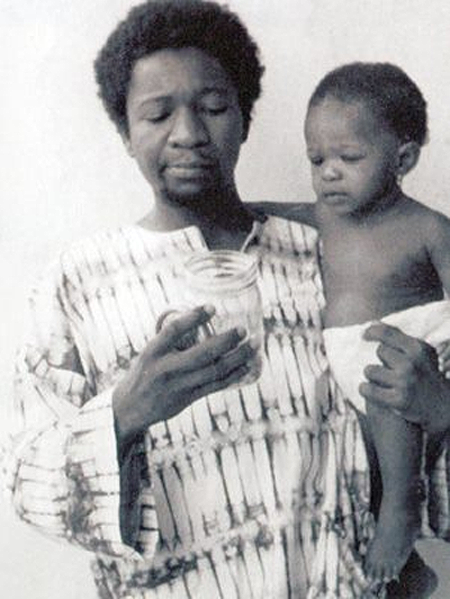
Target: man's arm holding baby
x,y
410,383
410,378
301,212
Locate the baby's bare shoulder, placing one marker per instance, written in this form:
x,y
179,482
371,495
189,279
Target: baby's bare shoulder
x,y
434,225
435,228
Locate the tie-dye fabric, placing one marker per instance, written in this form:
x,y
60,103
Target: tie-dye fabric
x,y
259,492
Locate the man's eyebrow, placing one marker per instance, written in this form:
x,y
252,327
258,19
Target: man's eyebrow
x,y
153,99
157,98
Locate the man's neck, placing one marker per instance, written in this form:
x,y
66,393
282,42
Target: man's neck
x,y
225,222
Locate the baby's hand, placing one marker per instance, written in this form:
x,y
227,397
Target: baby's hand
x,y
443,352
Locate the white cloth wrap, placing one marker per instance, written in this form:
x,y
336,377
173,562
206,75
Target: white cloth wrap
x,y
348,353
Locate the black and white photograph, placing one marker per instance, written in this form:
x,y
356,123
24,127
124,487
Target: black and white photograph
x,y
225,249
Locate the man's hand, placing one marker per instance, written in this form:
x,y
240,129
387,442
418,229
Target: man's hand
x,y
409,380
164,379
300,212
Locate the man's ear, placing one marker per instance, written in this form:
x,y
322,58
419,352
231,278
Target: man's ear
x,y
127,143
245,128
408,156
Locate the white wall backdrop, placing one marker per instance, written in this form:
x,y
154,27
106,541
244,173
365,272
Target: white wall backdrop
x,y
65,173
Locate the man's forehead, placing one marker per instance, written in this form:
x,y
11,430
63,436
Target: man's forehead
x,y
165,70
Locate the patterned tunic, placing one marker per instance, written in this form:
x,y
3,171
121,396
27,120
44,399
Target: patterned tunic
x,y
258,492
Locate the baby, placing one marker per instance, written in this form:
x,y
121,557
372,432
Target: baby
x,y
385,257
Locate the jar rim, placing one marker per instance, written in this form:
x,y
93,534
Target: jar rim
x,y
221,269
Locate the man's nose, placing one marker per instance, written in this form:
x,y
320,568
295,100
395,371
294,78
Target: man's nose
x,y
188,129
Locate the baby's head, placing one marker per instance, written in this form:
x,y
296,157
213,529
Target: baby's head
x,y
365,125
393,98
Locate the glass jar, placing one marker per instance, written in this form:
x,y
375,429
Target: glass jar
x,y
227,279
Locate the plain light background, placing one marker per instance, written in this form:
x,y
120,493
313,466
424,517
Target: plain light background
x,y
65,172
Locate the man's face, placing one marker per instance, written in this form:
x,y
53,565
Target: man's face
x,y
353,158
185,124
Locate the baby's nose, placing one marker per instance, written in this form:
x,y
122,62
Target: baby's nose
x,y
330,171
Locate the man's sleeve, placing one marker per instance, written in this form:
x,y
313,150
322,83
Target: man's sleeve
x,y
62,468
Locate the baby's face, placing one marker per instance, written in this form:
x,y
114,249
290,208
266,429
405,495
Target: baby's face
x,y
353,157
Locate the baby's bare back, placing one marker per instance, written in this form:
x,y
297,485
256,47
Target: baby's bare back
x,y
371,269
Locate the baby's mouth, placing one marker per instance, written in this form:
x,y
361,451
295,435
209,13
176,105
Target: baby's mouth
x,y
335,196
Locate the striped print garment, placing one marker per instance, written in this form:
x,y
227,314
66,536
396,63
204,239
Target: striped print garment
x,y
252,493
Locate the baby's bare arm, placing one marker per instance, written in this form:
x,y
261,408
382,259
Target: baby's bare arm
x,y
438,245
300,212
439,249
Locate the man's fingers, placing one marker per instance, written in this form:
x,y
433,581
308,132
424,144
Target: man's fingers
x,y
230,369
390,336
185,396
415,349
390,357
220,368
387,334
380,375
218,384
186,323
382,396
209,351
443,354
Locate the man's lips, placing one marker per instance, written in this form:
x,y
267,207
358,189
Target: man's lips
x,y
188,168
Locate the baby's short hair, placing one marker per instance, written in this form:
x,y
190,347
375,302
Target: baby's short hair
x,y
163,24
388,90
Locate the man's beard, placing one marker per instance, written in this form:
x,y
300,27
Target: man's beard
x,y
208,196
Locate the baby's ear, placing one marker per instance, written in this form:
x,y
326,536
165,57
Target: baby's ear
x,y
408,156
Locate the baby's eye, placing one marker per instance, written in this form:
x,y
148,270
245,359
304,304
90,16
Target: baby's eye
x,y
351,157
316,160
